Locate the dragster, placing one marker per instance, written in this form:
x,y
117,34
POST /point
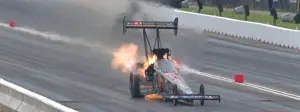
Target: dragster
x,y
161,76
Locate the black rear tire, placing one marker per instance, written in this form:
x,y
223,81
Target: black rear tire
x,y
135,86
201,92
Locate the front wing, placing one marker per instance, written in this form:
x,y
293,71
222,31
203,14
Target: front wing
x,y
193,97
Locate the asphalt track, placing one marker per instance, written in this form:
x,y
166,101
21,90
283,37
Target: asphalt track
x,y
79,75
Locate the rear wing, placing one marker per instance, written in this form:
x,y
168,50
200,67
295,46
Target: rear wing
x,y
173,25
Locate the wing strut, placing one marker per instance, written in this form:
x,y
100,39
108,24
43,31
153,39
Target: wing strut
x,y
151,25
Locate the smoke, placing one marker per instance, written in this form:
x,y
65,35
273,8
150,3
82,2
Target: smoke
x,y
107,8
93,23
185,69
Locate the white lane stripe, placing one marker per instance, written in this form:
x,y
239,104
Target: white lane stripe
x,y
68,40
274,91
262,88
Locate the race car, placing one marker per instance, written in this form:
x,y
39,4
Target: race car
x,y
160,74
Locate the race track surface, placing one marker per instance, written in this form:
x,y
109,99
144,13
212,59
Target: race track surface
x,y
76,70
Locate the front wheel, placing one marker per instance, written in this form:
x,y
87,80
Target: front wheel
x,y
175,92
201,92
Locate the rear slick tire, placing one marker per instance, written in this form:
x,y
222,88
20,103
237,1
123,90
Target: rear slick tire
x,y
134,86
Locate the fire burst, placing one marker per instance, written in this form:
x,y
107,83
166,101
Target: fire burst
x,y
150,61
125,57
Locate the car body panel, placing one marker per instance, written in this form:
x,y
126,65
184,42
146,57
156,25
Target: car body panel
x,y
168,70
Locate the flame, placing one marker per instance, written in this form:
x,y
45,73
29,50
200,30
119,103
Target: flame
x,y
125,57
150,61
153,97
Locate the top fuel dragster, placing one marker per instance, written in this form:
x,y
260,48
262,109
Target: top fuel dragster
x,y
160,74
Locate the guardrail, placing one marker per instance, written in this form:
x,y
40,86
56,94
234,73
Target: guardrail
x,y
14,98
242,29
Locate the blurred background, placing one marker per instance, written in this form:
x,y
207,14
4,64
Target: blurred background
x,y
282,5
281,13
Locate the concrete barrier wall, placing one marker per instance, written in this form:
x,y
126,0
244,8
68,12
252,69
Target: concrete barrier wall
x,y
17,99
242,29
225,26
